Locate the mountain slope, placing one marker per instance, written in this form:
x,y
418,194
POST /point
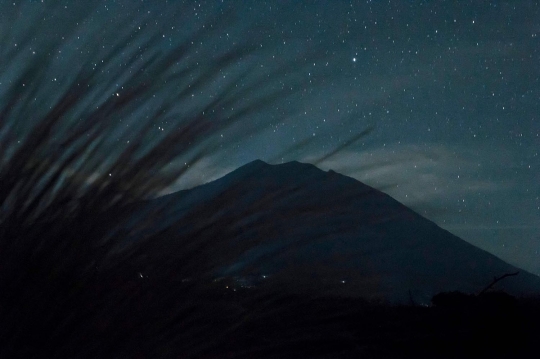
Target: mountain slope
x,y
296,226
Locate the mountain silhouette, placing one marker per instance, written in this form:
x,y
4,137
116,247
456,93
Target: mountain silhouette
x,y
302,229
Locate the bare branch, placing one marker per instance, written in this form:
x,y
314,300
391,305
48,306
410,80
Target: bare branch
x,y
495,280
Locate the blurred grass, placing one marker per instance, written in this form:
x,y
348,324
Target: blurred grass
x,y
79,145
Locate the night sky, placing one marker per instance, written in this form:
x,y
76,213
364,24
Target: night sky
x,y
442,97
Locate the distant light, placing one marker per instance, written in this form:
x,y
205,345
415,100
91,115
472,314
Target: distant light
x,y
354,59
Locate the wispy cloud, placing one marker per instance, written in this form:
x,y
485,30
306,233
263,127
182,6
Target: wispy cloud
x,y
417,174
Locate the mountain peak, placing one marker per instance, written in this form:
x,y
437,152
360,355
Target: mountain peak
x,y
257,162
260,164
292,170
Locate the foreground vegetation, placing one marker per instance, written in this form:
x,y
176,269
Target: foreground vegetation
x,y
343,328
157,317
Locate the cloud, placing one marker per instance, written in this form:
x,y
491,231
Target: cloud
x,y
205,170
430,177
427,174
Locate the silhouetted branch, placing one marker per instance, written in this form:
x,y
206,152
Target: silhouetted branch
x,y
495,280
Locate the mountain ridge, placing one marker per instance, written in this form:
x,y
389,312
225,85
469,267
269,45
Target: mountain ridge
x,y
311,230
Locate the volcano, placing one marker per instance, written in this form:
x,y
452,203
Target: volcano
x,y
298,228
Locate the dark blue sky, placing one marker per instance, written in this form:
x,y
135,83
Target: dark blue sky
x,y
450,90
453,93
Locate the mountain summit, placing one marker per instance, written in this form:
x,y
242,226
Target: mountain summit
x,y
295,226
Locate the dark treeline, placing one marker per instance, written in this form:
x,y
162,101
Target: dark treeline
x,y
295,326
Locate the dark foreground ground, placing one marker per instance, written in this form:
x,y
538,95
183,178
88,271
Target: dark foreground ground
x,y
140,319
293,327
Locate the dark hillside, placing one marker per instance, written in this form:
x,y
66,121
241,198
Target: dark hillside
x,y
321,232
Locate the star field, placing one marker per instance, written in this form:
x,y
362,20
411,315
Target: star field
x,y
449,91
